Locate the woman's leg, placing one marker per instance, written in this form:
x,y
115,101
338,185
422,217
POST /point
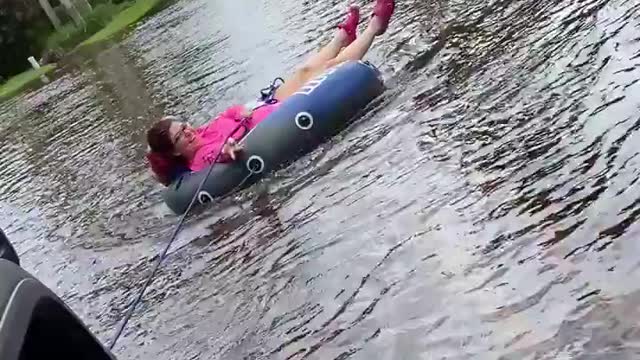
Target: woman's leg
x,y
358,48
354,51
377,26
345,35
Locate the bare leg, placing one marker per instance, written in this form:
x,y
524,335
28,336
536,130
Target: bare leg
x,y
345,35
354,51
357,49
315,64
328,52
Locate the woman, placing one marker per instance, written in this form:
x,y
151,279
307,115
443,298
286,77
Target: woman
x,y
176,146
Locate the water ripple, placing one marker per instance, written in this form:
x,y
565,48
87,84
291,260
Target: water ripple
x,y
485,207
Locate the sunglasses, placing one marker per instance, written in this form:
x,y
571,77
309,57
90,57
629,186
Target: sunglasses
x,y
180,134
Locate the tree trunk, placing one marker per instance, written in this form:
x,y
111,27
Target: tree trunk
x,y
73,13
51,14
84,6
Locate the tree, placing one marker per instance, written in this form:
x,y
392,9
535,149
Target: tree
x,y
14,45
20,21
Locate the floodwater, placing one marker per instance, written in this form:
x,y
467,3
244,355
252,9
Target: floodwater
x,y
487,208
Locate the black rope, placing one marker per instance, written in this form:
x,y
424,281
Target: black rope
x,y
269,92
164,252
267,96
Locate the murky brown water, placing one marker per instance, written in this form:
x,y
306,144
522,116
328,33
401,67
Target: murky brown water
x,y
487,209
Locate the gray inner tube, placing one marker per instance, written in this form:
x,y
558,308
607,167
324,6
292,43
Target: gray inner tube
x,y
319,110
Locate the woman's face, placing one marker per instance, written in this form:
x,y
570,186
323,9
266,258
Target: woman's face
x,y
185,139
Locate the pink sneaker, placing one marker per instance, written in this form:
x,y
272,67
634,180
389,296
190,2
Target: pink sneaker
x,y
383,10
350,24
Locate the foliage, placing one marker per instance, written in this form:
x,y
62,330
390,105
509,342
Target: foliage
x,y
22,36
127,17
15,46
70,35
23,80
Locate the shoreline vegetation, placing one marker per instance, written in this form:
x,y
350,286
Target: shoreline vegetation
x,y
122,20
24,80
106,20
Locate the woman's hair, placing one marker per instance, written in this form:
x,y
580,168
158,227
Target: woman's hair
x,y
164,163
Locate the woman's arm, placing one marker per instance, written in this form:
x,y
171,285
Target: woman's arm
x,y
237,112
231,149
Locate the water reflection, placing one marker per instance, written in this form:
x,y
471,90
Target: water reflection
x,y
484,207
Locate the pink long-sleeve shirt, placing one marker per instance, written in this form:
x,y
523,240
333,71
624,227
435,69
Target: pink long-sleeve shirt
x,y
214,134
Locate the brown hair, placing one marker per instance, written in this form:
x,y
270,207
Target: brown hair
x,y
163,162
158,137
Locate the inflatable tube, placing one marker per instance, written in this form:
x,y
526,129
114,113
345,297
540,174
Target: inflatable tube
x,y
7,251
319,110
37,324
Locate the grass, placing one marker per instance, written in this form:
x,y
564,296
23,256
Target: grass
x,y
121,21
70,35
23,80
106,20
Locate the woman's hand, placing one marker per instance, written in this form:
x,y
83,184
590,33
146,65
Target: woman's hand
x,y
232,148
246,112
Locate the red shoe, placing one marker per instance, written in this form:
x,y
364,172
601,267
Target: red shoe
x,y
350,24
383,10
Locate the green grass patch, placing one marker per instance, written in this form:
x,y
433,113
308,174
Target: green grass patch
x,y
70,35
121,21
23,80
105,20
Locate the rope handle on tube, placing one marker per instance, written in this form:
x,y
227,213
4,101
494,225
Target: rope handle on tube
x,y
267,94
